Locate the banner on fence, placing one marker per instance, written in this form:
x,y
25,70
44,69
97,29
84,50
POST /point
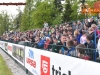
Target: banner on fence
x,y
9,48
32,60
40,62
3,45
18,53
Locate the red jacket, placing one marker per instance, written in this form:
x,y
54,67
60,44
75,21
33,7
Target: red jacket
x,y
46,44
86,57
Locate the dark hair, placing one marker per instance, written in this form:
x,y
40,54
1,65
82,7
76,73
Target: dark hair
x,y
88,37
63,35
54,38
84,32
70,43
87,25
75,22
74,39
81,48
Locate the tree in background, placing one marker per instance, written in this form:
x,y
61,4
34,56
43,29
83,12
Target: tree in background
x,y
26,22
50,11
58,5
43,13
74,14
4,22
67,12
57,8
17,20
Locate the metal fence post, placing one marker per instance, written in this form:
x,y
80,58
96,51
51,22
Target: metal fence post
x,y
94,55
95,38
26,71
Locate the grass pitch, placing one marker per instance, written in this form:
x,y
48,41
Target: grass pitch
x,y
4,70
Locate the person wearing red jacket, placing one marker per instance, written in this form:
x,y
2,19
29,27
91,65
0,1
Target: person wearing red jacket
x,y
47,43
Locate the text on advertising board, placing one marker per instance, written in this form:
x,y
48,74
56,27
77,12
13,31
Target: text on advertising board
x,y
58,72
30,60
10,48
45,65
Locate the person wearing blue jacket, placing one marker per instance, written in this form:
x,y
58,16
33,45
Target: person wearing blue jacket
x,y
77,35
39,43
71,49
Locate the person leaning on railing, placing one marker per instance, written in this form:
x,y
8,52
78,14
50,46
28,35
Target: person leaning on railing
x,y
71,49
47,44
60,47
81,49
90,47
39,43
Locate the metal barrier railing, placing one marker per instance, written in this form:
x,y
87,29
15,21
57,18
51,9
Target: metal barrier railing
x,y
92,53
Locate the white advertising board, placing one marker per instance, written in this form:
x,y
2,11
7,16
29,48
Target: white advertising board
x,y
98,47
18,53
9,48
42,62
32,60
3,45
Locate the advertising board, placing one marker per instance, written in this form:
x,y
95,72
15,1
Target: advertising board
x,y
18,53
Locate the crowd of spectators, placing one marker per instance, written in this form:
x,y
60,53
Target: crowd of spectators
x,y
75,39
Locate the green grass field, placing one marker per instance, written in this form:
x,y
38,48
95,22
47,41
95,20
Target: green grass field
x,y
4,70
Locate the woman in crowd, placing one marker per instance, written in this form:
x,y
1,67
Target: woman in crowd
x,y
83,38
77,35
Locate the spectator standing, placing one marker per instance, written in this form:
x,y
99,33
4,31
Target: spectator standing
x,y
85,28
90,47
86,22
77,35
91,33
79,26
92,22
39,43
74,26
83,38
47,43
46,25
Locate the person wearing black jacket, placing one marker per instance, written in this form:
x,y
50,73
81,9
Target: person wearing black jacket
x,y
92,22
60,47
90,47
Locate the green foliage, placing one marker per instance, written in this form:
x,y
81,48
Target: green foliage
x,y
43,13
17,20
57,20
4,22
26,22
58,5
68,11
4,69
74,14
49,11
